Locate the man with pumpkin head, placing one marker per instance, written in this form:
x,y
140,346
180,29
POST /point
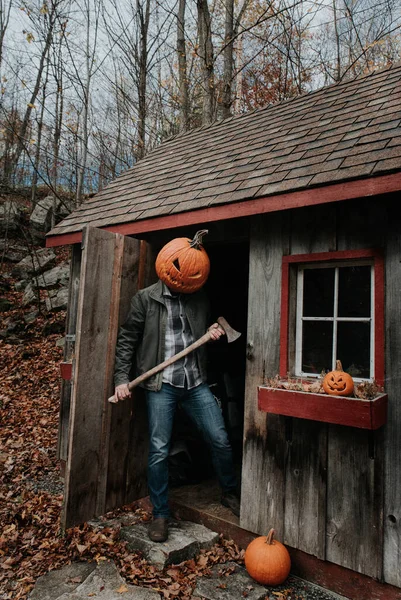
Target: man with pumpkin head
x,y
165,318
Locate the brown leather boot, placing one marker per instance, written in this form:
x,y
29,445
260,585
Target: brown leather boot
x,y
158,530
231,500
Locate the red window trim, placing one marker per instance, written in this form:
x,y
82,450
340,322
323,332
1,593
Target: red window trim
x,y
378,265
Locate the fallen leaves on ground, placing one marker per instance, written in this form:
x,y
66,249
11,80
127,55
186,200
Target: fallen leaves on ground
x,y
30,485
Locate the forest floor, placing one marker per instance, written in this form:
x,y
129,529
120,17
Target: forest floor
x,y
30,484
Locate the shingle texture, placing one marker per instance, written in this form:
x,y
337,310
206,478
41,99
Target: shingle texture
x,y
339,133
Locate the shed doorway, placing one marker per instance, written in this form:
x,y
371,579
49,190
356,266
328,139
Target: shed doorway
x,y
193,483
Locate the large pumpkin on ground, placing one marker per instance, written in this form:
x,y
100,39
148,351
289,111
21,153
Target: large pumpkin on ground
x,y
183,264
338,382
267,560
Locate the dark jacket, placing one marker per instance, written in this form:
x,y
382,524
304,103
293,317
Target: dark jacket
x,y
141,339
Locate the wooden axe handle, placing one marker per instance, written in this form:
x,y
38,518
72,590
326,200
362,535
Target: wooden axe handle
x,y
202,340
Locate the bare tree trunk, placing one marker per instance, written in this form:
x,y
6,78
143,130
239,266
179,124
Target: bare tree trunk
x,y
144,17
5,8
119,124
36,165
84,154
25,123
337,76
12,120
239,76
206,54
58,114
230,34
228,58
86,91
182,67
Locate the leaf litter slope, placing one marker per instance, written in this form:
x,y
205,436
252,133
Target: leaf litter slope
x,y
30,485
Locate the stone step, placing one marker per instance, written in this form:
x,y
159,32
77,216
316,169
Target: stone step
x,y
66,579
185,540
80,581
230,581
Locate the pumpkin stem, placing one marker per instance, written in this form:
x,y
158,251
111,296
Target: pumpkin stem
x,y
197,241
270,535
339,366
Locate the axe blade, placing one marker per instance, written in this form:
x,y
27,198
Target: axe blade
x,y
231,334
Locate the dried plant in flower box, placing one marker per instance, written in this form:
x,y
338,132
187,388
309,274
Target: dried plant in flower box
x,y
306,399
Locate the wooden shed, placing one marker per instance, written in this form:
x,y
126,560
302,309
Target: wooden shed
x,y
302,204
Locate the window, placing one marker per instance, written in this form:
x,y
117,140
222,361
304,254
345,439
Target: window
x,y
335,319
337,304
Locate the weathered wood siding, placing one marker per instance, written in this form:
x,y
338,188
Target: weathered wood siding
x,y
323,487
100,433
265,448
392,431
306,469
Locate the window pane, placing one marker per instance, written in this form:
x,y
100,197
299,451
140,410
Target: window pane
x,y
318,292
353,348
317,346
354,292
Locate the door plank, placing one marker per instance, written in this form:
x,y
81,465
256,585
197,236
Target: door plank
x,y
83,462
114,309
138,441
123,412
84,495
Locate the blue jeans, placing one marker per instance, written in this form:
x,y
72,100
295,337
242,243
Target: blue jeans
x,y
202,408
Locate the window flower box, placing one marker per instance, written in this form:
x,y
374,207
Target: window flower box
x,y
340,410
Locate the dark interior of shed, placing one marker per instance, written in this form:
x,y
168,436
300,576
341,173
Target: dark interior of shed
x,y
192,477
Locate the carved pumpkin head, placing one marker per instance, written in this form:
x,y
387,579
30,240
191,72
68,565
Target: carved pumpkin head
x,y
267,560
183,264
338,382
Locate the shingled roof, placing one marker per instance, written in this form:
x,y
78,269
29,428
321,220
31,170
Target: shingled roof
x,y
340,133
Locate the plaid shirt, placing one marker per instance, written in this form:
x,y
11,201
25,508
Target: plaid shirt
x,y
179,336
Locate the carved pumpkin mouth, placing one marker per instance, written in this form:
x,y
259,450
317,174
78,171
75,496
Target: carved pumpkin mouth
x,y
339,384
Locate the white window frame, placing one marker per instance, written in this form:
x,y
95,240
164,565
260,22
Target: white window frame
x,y
335,319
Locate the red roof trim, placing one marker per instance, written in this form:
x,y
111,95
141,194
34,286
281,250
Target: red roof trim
x,y
377,255
314,196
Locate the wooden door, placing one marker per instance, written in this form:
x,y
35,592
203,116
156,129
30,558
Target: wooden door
x,y
106,459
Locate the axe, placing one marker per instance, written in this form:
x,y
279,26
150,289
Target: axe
x,y
231,334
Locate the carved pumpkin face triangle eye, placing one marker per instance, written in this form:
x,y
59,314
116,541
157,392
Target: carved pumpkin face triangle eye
x,y
176,263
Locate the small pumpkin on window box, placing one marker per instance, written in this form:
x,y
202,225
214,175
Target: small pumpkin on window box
x,y
338,382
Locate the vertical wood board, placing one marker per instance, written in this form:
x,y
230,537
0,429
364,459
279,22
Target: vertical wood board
x,y
86,436
122,413
354,500
138,440
392,508
264,455
355,469
306,471
114,309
